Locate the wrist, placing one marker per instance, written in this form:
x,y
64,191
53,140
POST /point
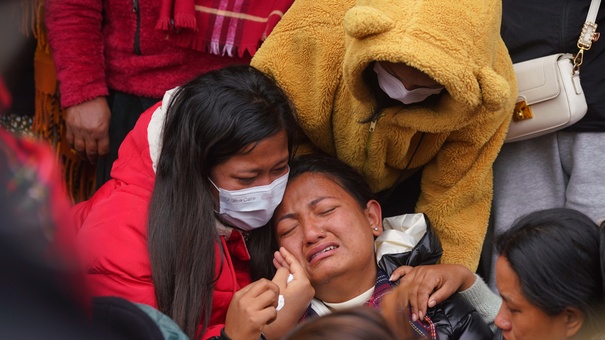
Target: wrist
x,y
469,281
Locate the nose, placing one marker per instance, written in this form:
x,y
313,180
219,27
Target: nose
x,y
502,320
312,231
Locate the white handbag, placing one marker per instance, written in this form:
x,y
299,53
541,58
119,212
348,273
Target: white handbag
x,y
550,95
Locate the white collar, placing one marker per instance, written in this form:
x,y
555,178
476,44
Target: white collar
x,y
323,308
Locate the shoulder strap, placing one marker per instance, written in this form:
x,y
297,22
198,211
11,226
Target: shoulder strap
x,y
588,35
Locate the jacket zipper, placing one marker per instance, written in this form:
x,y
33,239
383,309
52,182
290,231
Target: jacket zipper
x,y
367,150
137,32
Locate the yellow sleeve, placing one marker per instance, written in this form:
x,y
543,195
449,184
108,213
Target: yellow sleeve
x,y
456,187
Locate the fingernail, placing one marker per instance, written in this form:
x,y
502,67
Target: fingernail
x,y
432,303
393,277
414,317
420,314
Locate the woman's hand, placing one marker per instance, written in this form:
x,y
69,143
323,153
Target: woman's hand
x,y
425,286
296,290
251,309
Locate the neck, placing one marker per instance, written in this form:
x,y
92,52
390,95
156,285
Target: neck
x,y
345,287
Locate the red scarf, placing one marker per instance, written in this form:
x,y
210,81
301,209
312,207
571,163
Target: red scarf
x,y
221,27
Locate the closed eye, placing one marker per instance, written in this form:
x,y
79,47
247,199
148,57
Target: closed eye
x,y
285,231
327,211
280,170
245,180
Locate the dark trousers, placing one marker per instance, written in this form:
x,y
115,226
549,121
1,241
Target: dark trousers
x,y
125,111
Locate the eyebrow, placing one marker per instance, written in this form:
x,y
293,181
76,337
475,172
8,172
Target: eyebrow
x,y
283,162
311,204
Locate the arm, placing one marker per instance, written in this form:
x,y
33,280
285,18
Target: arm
x,y
424,287
76,40
456,187
81,72
486,302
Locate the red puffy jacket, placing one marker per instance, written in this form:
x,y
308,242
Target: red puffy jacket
x,y
111,230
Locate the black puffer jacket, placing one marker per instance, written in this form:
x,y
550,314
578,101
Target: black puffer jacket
x,y
454,318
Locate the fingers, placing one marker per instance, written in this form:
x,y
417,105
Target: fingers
x,y
251,308
91,151
396,315
79,145
279,261
292,262
400,272
418,285
87,126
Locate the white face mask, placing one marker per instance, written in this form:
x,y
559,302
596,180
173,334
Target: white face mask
x,y
251,208
395,89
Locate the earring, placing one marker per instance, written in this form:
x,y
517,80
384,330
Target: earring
x,y
375,229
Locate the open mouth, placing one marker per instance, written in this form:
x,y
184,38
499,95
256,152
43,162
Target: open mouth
x,y
321,252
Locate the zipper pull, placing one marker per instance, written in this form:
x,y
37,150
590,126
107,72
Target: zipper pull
x,y
135,5
373,125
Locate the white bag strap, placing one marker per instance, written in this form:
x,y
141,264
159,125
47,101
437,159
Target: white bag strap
x,y
588,35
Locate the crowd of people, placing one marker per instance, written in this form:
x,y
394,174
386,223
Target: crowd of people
x,y
257,179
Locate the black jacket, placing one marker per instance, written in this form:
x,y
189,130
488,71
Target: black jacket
x,y
536,28
454,318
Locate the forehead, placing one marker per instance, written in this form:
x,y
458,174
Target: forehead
x,y
266,152
507,281
314,184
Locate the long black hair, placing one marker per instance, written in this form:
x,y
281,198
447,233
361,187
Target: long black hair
x,y
209,119
556,255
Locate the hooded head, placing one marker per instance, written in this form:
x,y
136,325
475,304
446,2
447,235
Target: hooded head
x,y
457,43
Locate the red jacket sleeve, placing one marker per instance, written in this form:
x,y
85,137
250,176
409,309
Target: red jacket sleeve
x,y
76,40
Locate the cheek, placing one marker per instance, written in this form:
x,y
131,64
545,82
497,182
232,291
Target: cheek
x,y
293,244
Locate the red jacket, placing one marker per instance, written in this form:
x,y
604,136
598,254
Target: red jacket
x,y
101,44
111,230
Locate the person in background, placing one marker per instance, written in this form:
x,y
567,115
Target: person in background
x,y
116,58
357,323
180,225
403,88
40,289
564,168
549,272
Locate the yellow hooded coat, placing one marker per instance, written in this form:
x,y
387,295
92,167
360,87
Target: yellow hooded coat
x,y
318,52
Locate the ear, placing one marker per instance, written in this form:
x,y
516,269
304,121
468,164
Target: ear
x,y
574,319
374,215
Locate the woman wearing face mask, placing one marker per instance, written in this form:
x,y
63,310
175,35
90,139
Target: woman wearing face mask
x,y
396,88
179,224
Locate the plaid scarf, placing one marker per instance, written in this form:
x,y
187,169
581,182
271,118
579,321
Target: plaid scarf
x,y
221,27
424,328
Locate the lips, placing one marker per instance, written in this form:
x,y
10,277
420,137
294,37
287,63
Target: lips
x,y
320,250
